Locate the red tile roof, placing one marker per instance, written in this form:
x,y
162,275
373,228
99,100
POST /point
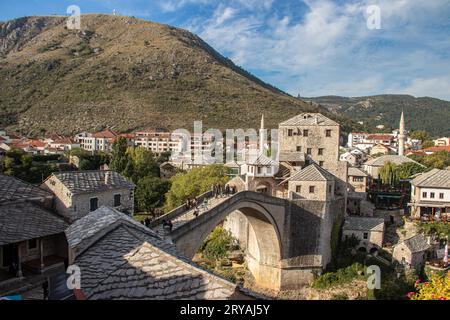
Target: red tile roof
x,y
108,134
380,137
437,149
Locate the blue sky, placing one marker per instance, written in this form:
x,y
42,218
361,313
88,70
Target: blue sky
x,y
311,47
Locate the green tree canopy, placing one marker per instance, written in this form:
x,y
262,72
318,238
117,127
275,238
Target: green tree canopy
x,y
439,160
388,173
408,169
150,193
119,157
143,164
419,135
194,183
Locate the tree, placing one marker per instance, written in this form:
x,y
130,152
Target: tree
x,y
143,164
439,160
150,193
119,157
408,169
388,173
427,144
421,135
194,183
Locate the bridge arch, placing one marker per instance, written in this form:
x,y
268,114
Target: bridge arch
x,y
264,252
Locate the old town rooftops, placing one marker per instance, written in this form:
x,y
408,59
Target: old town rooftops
x,y
380,161
91,181
13,189
124,261
363,224
434,178
25,220
309,119
313,172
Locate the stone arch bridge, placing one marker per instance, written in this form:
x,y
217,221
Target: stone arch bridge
x,y
285,242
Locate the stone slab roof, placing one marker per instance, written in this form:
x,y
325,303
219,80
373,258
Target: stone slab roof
x,y
292,156
313,172
24,220
92,181
418,243
352,171
13,189
363,224
380,161
309,119
83,231
128,263
433,179
263,160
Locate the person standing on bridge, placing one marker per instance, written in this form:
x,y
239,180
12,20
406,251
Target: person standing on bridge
x,y
205,204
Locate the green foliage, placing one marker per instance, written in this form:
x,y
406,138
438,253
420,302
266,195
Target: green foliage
x,y
421,135
438,160
341,276
339,296
427,144
20,165
439,229
140,163
119,157
194,183
150,193
408,169
389,174
218,243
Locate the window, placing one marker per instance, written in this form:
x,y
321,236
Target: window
x,y
321,163
117,200
432,195
441,196
290,131
259,170
424,194
32,244
329,189
365,236
358,179
311,189
309,150
305,133
320,152
298,189
93,205
328,133
299,148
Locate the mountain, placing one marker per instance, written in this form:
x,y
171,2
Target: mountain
x,y
126,74
430,114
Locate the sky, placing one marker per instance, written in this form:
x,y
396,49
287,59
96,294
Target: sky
x,y
305,47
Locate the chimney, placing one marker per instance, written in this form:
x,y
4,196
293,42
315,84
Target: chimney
x,y
107,177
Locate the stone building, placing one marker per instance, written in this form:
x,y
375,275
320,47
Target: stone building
x,y
412,253
430,195
312,137
357,179
120,258
32,240
79,192
373,166
369,232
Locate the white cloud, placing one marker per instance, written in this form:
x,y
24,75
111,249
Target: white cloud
x,y
330,50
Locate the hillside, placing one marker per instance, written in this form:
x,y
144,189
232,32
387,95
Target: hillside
x,y
126,74
430,114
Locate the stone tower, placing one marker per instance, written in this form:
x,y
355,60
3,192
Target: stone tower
x,y
262,136
401,136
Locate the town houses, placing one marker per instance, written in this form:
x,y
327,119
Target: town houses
x,y
87,217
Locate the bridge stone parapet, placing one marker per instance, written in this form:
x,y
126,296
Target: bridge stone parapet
x,y
286,242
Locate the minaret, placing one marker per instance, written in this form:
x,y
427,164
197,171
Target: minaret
x,y
261,135
401,136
